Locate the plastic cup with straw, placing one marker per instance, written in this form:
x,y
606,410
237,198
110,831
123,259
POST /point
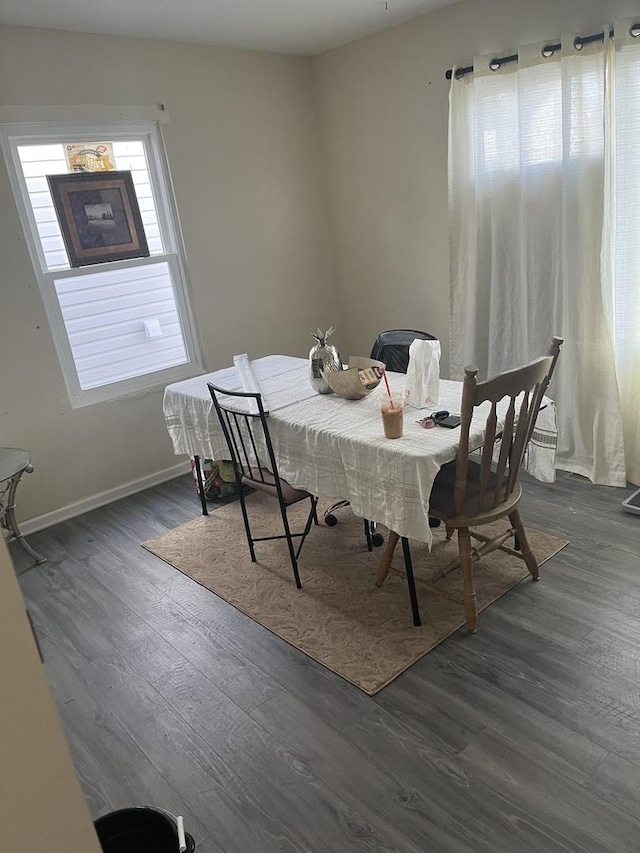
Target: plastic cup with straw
x,y
392,411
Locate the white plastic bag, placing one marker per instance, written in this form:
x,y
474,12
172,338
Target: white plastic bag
x,y
423,374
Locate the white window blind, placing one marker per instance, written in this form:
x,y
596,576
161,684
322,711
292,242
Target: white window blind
x,y
110,318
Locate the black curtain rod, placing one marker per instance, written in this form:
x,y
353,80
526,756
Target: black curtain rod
x,y
547,50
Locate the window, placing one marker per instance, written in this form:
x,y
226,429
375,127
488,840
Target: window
x,y
119,327
534,111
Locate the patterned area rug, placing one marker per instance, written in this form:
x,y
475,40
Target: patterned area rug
x,y
339,617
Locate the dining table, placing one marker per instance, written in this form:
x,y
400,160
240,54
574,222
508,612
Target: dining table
x,y
335,448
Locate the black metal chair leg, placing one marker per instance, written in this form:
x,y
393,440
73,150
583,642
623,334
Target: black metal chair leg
x,y
411,582
367,533
329,517
377,539
292,551
203,500
313,515
245,518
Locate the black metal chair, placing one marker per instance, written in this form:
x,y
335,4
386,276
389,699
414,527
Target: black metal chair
x,y
244,424
392,348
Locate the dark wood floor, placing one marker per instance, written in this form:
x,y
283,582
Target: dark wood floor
x,y
524,737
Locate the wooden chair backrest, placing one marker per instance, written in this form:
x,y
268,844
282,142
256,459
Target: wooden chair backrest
x,y
528,383
246,432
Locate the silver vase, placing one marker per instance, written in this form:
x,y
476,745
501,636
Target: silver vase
x,y
322,357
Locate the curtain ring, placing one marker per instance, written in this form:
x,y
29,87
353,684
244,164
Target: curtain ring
x,y
458,74
578,43
547,51
634,31
495,64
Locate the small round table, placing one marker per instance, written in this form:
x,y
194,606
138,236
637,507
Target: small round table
x,y
13,464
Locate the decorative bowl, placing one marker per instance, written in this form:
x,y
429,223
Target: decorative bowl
x,y
357,380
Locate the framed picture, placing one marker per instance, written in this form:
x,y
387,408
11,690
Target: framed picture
x,y
99,217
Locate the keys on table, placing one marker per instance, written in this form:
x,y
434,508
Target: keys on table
x,y
432,420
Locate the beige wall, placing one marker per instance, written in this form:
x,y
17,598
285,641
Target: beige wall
x,y
383,110
256,143
41,804
242,142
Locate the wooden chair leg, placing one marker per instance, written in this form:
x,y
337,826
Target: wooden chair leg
x,y
450,531
523,542
387,557
469,592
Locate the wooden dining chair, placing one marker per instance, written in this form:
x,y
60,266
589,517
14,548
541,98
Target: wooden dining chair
x,y
246,431
467,494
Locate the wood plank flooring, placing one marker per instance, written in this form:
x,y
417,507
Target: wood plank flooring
x,y
524,737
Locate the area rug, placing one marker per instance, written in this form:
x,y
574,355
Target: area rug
x,y
339,618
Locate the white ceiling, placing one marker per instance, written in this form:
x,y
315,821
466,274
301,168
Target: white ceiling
x,y
283,26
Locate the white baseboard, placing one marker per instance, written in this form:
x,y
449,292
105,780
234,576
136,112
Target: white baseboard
x,y
102,498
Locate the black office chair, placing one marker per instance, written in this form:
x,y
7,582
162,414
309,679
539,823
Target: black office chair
x,y
244,424
392,348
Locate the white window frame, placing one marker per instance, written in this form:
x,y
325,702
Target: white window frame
x,y
13,135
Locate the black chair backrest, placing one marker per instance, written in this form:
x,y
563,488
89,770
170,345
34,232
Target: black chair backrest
x,y
246,431
392,347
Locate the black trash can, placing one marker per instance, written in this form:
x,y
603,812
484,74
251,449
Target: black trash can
x,y
140,830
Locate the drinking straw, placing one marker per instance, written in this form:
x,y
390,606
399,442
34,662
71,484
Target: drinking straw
x,y
386,382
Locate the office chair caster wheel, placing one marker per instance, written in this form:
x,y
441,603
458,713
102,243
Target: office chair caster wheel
x,y
377,539
330,520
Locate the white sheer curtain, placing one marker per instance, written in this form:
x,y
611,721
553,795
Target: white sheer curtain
x,y
621,239
526,196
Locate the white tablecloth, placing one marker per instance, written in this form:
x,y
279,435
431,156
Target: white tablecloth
x,y
188,409
336,448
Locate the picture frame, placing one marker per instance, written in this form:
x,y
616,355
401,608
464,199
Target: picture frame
x,y
99,217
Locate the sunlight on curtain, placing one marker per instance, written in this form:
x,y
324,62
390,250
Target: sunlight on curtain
x,y
622,229
526,197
